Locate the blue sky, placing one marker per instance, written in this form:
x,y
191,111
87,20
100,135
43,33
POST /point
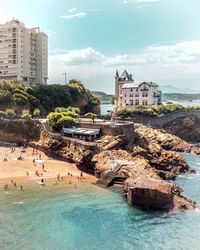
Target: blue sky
x,y
156,40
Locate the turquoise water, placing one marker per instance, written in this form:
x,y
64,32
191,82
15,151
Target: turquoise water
x,y
92,218
105,108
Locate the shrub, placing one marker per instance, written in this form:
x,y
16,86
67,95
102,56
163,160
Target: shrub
x,y
53,119
2,113
26,116
36,113
61,109
152,111
10,113
69,109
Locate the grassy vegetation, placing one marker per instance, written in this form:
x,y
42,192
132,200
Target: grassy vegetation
x,y
153,111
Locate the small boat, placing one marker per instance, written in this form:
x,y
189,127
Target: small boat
x,y
41,183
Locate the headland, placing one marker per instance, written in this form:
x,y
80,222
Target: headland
x,y
140,159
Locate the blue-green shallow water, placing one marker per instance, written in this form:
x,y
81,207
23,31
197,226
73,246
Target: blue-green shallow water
x,y
90,217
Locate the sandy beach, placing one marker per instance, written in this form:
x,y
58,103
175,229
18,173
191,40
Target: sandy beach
x,y
13,169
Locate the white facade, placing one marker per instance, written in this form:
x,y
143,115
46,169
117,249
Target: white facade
x,y
130,94
23,53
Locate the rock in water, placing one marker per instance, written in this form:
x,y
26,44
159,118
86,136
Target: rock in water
x,y
151,193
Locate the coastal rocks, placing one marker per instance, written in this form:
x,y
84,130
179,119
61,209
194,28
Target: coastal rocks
x,y
169,164
190,130
151,193
111,142
164,140
150,159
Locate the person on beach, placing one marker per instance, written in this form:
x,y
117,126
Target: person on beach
x,y
81,175
5,159
58,177
43,168
15,184
42,180
21,188
5,187
37,173
27,174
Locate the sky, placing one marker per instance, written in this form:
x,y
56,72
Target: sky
x,y
155,40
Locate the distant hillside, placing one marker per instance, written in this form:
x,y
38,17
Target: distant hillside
x,y
180,97
103,97
172,89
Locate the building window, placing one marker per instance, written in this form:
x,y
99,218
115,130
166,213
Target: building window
x,y
137,102
144,102
137,90
131,90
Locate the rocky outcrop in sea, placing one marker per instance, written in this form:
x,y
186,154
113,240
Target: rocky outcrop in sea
x,y
142,166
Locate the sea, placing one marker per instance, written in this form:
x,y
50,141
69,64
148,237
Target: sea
x,y
93,218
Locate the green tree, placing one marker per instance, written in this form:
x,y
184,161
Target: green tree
x,y
71,114
66,121
91,116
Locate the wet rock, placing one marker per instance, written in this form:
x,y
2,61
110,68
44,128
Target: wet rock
x,y
150,193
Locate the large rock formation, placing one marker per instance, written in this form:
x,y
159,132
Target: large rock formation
x,y
151,193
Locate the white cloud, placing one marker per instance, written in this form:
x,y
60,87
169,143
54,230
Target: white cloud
x,y
74,13
178,62
78,57
146,1
78,14
73,10
139,1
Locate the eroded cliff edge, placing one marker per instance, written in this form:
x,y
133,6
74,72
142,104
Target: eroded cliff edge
x,y
142,162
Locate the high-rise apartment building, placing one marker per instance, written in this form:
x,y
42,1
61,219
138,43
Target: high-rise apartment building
x,y
23,53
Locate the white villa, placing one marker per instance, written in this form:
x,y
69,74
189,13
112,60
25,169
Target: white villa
x,y
129,94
